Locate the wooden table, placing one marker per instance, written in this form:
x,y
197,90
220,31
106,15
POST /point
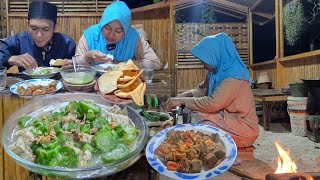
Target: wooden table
x,y
267,97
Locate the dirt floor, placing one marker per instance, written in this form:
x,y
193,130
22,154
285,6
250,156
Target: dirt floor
x,y
303,151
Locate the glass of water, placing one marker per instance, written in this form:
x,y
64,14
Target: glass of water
x,y
3,77
148,69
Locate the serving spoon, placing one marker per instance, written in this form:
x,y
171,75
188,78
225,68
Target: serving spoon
x,y
74,64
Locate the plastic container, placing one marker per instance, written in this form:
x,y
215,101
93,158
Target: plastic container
x,y
297,110
298,89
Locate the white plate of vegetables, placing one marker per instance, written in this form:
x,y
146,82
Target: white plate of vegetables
x,y
42,72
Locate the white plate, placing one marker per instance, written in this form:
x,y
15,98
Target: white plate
x,y
43,82
102,68
54,71
228,143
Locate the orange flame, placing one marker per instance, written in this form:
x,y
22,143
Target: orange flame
x,y
285,163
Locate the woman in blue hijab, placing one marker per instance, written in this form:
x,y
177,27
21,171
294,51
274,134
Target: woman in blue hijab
x,y
113,40
224,99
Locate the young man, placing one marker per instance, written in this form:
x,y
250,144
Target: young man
x,y
40,44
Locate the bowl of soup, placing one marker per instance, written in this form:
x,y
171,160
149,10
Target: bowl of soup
x,y
108,142
79,75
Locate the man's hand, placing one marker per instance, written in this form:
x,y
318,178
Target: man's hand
x,y
25,60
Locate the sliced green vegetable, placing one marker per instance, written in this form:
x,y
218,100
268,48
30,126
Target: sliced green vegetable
x,y
68,157
22,121
85,128
87,146
119,152
131,134
104,140
89,105
90,115
99,122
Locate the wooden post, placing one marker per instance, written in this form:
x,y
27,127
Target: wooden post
x,y
276,12
281,39
249,22
250,52
279,80
172,50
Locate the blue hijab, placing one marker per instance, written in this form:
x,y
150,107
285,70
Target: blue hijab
x,y
219,52
126,46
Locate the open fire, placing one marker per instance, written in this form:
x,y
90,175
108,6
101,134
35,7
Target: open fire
x,y
285,163
287,168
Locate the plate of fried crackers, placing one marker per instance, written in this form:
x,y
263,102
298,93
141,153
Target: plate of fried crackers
x,y
36,87
122,84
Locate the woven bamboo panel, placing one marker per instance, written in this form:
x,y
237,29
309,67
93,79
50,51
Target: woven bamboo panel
x,y
304,68
3,21
291,69
189,78
70,25
63,6
157,27
189,34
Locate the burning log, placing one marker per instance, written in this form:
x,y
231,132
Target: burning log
x,y
294,176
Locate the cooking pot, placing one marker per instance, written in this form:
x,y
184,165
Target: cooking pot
x,y
313,103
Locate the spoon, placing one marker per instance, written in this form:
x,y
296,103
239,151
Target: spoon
x,y
74,64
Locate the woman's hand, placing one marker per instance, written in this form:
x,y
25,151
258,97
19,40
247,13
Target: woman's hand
x,y
98,56
172,103
25,60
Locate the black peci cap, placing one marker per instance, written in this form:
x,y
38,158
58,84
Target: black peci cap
x,y
42,10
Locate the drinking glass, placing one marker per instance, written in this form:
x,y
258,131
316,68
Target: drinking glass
x,y
3,77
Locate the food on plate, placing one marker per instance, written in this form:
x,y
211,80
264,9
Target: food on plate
x,y
79,134
129,65
41,71
124,82
107,82
56,62
190,152
110,56
130,82
37,89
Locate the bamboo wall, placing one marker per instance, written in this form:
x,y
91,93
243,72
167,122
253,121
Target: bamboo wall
x,y
189,70
157,25
290,69
3,21
70,25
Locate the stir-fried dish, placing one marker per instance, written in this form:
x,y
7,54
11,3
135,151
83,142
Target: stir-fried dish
x,y
190,152
78,135
37,89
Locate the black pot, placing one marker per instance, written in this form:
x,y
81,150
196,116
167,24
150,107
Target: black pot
x,y
313,103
